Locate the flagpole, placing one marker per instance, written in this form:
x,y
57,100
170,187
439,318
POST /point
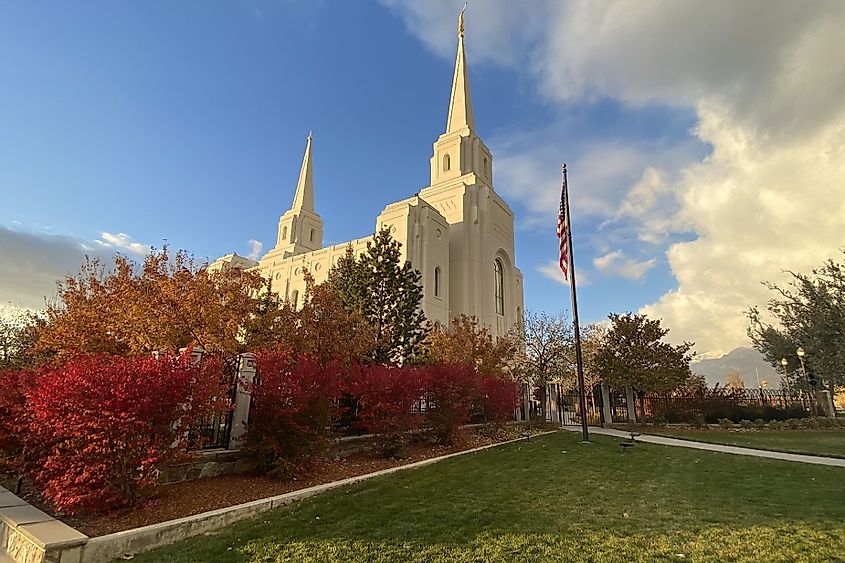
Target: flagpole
x,y
579,363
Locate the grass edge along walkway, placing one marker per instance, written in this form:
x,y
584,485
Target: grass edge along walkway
x,y
741,438
715,447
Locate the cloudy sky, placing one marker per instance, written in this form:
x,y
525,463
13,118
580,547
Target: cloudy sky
x,y
705,140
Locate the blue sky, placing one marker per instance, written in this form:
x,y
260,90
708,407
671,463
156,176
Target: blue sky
x,y
186,121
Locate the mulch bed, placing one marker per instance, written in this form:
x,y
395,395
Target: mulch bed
x,y
178,500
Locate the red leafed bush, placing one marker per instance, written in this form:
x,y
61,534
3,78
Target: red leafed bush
x,y
450,390
13,414
499,398
293,406
386,398
101,427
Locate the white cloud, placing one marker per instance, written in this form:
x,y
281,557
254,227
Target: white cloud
x,y
775,63
255,248
599,175
617,264
757,212
501,30
122,241
30,265
651,207
551,270
765,78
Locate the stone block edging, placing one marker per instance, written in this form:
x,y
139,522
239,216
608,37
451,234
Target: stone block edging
x,y
106,548
29,535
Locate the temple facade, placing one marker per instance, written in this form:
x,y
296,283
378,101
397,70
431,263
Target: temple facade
x,y
457,231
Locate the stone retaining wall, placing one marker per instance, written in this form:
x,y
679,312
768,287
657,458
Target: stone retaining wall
x,y
214,463
207,464
28,535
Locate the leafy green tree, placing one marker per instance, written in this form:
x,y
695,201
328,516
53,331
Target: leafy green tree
x,y
809,313
633,354
387,294
548,351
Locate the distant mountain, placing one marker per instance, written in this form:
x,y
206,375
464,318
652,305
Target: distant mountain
x,y
741,360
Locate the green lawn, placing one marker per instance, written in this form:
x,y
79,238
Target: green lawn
x,y
829,443
554,499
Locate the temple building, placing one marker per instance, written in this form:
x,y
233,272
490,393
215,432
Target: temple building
x,y
457,231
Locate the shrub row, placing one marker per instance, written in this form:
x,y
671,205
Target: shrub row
x,y
791,424
93,432
712,411
297,402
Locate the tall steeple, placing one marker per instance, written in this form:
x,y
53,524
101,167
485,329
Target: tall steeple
x,y
460,104
459,151
304,197
301,228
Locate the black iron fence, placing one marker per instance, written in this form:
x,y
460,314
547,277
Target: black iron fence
x,y
702,407
712,405
570,406
214,432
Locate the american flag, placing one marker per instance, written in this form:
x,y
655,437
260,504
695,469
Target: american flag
x,y
563,231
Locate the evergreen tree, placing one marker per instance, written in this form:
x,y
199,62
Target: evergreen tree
x,y
387,295
346,279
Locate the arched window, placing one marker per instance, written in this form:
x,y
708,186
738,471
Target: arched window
x,y
294,298
437,281
500,287
285,232
447,162
486,170
311,236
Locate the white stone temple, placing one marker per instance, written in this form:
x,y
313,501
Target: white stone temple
x,y
457,232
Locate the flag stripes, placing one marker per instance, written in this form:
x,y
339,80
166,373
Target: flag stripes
x,y
563,233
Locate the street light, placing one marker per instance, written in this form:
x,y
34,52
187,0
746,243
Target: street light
x,y
800,352
785,363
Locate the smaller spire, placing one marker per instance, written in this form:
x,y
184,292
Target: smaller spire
x,y
304,197
460,104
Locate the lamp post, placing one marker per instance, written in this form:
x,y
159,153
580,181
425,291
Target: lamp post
x,y
784,363
800,352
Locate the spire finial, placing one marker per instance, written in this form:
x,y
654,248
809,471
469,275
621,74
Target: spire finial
x,y
461,20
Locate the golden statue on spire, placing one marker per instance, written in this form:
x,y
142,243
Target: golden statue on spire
x,y
461,20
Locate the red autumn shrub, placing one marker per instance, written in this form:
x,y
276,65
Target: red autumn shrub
x,y
450,389
293,405
101,427
499,398
13,414
387,398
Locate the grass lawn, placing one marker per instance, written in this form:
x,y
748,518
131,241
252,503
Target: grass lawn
x,y
830,443
554,499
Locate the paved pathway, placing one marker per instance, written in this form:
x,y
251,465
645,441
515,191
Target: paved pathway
x,y
663,441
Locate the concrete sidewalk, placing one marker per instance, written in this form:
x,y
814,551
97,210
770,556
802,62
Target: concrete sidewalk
x,y
663,441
